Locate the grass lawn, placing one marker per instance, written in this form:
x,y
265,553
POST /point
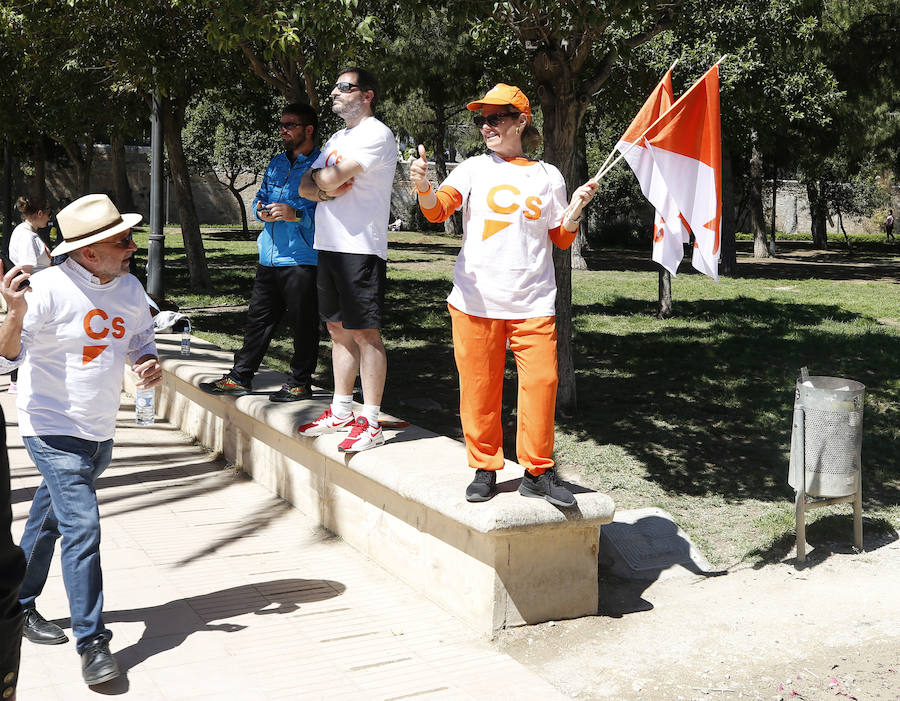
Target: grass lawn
x,y
691,414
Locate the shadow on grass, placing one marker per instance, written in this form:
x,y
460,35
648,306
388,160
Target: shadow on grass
x,y
707,408
704,406
829,535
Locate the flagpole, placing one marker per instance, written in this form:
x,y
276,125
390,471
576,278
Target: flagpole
x,y
611,153
605,169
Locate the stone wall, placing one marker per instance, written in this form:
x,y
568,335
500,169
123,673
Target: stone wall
x,y
792,212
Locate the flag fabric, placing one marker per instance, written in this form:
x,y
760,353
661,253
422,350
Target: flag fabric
x,y
669,230
686,146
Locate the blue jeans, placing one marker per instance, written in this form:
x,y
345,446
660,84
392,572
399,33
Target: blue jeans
x,y
66,505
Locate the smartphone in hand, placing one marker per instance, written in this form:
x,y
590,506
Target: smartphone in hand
x,y
9,265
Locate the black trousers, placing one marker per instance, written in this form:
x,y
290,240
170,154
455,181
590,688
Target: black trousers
x,y
12,569
281,292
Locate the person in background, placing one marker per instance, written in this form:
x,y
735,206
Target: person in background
x,y
357,167
72,331
285,279
504,288
28,249
12,569
889,226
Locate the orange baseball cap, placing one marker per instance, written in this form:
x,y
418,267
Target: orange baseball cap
x,y
503,94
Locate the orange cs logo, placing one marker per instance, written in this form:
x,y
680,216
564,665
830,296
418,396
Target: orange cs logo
x,y
118,325
502,199
333,158
98,331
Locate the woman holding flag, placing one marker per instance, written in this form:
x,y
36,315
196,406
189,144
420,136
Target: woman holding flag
x,y
504,288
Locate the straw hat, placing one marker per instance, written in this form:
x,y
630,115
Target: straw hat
x,y
90,219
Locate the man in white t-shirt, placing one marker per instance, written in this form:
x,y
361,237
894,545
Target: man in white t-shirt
x,y
352,180
72,331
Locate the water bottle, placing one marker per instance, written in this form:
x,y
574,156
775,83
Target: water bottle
x,y
144,410
186,338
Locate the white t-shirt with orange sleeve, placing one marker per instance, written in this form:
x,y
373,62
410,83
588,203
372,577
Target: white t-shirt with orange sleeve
x,y
505,266
357,221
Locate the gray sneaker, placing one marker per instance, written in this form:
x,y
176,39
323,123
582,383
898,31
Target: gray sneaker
x,y
548,486
483,487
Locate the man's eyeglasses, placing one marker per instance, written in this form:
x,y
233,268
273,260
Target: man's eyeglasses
x,y
345,86
493,120
287,126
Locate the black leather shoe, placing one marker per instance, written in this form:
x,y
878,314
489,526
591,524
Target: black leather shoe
x,y
97,663
483,487
41,631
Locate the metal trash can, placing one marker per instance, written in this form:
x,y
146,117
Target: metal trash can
x,y
826,448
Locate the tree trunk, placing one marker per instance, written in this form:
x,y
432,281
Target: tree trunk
x,y
728,256
846,237
453,224
757,218
121,187
664,310
173,120
818,214
39,181
241,206
581,175
82,158
563,111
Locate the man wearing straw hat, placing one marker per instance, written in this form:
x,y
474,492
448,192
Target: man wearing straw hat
x,y
71,330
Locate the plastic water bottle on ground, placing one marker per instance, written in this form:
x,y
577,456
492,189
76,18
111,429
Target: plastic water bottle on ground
x,y
186,338
144,409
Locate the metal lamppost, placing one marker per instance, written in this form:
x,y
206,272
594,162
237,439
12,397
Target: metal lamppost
x,y
156,245
7,193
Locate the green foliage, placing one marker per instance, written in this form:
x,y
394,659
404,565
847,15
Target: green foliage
x,y
230,131
291,46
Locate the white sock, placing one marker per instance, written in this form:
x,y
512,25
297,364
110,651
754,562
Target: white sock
x,y
371,412
342,405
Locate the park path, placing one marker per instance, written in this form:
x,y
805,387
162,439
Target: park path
x,y
217,589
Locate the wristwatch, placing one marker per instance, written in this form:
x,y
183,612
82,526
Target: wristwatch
x,y
324,196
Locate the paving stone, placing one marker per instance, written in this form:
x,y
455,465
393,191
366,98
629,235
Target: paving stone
x,y
215,589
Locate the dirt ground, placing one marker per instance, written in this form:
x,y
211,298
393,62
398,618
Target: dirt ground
x,y
829,629
825,630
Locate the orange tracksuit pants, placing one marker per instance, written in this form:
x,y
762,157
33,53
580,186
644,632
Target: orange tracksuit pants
x,y
479,345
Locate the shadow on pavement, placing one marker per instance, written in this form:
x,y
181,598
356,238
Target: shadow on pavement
x,y
169,625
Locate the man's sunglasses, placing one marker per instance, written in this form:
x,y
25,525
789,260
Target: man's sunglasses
x,y
123,242
287,126
345,86
492,120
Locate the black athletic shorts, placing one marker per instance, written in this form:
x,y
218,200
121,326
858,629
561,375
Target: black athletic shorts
x,y
351,289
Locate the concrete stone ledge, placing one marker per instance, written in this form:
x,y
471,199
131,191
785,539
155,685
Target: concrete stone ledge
x,y
509,561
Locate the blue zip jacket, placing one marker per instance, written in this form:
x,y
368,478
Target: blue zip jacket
x,y
283,243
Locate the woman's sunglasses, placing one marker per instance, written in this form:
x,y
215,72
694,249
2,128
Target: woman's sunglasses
x,y
492,120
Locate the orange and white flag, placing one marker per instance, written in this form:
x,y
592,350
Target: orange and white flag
x,y
686,146
669,231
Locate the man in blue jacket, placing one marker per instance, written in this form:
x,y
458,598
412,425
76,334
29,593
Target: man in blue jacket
x,y
286,275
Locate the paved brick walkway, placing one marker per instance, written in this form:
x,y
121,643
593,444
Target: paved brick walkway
x,y
216,589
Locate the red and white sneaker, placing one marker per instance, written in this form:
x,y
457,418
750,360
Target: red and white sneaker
x,y
362,437
326,423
